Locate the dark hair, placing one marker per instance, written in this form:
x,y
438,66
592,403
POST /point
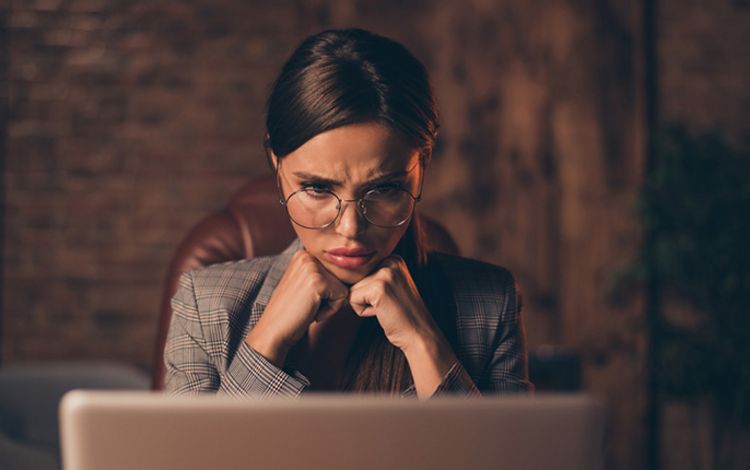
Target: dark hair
x,y
351,76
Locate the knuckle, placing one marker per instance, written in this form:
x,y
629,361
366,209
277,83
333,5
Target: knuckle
x,y
316,280
387,275
381,285
395,260
300,260
343,292
309,265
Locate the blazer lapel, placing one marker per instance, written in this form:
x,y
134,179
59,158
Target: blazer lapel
x,y
275,272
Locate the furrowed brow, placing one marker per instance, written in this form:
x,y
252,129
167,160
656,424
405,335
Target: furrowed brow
x,y
321,179
318,179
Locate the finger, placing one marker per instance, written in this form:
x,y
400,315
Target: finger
x,y
336,291
327,310
336,288
364,310
392,261
332,300
360,299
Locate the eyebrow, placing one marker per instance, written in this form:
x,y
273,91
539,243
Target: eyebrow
x,y
311,177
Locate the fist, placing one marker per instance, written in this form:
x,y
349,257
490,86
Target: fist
x,y
391,295
307,292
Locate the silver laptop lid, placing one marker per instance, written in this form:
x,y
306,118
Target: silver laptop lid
x,y
129,430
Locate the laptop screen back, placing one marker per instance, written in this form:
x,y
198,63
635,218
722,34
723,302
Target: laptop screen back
x,y
127,430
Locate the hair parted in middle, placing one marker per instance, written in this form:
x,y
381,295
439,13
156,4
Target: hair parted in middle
x,y
350,76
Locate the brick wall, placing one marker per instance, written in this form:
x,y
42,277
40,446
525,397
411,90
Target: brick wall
x,y
128,122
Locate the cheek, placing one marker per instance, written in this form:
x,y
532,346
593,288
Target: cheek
x,y
385,240
395,235
309,238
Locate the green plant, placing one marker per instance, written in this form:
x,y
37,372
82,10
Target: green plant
x,y
696,205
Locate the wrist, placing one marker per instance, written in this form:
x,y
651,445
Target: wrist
x,y
429,347
267,345
430,358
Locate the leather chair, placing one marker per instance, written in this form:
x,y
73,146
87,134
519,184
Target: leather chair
x,y
252,224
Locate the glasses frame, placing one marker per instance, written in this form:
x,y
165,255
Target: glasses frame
x,y
360,203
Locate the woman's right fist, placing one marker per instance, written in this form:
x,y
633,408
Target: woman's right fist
x,y
307,292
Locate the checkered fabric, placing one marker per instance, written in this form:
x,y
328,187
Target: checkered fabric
x,y
215,307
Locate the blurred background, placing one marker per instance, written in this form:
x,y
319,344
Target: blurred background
x,y
598,149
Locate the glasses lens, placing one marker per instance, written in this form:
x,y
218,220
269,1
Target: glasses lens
x,y
385,207
388,207
312,208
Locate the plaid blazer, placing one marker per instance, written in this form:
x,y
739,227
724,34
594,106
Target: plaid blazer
x,y
215,307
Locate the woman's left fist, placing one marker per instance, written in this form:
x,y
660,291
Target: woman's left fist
x,y
390,295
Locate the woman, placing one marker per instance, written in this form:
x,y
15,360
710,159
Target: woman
x,y
356,302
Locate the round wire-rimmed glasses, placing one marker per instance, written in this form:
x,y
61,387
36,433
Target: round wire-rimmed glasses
x,y
388,205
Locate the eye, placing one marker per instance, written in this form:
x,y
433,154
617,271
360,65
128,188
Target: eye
x,y
315,187
384,190
311,191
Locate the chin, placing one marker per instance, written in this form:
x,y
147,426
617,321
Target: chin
x,y
347,276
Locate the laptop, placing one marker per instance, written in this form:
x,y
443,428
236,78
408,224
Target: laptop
x,y
150,430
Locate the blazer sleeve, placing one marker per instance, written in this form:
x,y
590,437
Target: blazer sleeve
x,y
195,364
507,369
188,366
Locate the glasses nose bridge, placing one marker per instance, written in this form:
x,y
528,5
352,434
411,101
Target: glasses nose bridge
x,y
358,205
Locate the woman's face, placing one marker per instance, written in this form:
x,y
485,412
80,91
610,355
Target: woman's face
x,y
350,161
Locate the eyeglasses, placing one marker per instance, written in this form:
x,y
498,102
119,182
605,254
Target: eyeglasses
x,y
388,205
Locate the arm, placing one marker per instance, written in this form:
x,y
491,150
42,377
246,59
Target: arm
x,y
436,370
250,373
191,369
493,323
506,369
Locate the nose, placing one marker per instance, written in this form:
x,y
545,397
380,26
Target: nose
x,y
350,222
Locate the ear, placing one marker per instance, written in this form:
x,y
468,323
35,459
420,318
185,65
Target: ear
x,y
425,158
272,159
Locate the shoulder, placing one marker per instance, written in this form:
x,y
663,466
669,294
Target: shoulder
x,y
474,278
220,272
485,295
228,281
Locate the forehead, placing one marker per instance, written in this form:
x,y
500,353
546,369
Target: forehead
x,y
353,152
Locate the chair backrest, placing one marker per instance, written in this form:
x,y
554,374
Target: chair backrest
x,y
252,224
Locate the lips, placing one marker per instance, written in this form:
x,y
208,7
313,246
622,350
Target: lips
x,y
349,258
